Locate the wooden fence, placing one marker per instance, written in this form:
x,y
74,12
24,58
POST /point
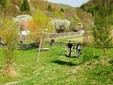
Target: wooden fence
x,y
66,34
56,35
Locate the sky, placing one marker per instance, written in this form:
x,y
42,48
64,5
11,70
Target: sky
x,y
74,3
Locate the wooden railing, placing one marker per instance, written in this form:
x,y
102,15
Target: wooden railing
x,y
66,34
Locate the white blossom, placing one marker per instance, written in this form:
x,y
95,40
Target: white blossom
x,y
60,23
23,17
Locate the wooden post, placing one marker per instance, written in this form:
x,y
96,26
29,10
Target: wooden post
x,y
39,51
80,26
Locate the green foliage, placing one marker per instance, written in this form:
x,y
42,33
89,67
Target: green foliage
x,y
73,24
25,6
9,35
76,18
42,25
111,61
93,5
58,14
4,4
49,8
85,18
62,10
42,21
102,29
102,11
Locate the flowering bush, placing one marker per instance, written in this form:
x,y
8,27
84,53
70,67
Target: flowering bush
x,y
60,25
23,17
25,21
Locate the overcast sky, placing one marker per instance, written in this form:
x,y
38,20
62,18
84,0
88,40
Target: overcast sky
x,y
74,3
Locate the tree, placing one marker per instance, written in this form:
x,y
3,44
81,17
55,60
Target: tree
x,y
60,25
40,32
25,6
76,18
49,8
58,14
9,34
62,10
102,29
93,5
4,4
42,21
73,24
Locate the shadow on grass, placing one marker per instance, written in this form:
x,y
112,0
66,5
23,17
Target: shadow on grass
x,y
70,56
60,62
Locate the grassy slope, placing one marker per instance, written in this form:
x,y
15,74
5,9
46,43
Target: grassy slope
x,y
55,69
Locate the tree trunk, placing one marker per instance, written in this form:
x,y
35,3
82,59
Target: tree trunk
x,y
104,50
10,71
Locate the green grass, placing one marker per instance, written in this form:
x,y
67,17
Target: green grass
x,y
54,68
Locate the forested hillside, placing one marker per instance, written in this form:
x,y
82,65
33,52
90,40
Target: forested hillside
x,y
61,11
93,5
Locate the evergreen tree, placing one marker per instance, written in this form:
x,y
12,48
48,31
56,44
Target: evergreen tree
x,y
25,6
49,8
4,4
62,10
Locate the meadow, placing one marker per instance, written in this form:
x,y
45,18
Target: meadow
x,y
54,68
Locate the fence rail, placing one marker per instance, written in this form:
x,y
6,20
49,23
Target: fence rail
x,y
54,35
66,34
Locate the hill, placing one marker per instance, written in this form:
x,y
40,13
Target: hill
x,y
52,10
95,4
65,5
13,8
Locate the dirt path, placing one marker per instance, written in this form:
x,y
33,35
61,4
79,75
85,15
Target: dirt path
x,y
80,39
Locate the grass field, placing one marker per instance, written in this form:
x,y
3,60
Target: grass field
x,y
54,68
